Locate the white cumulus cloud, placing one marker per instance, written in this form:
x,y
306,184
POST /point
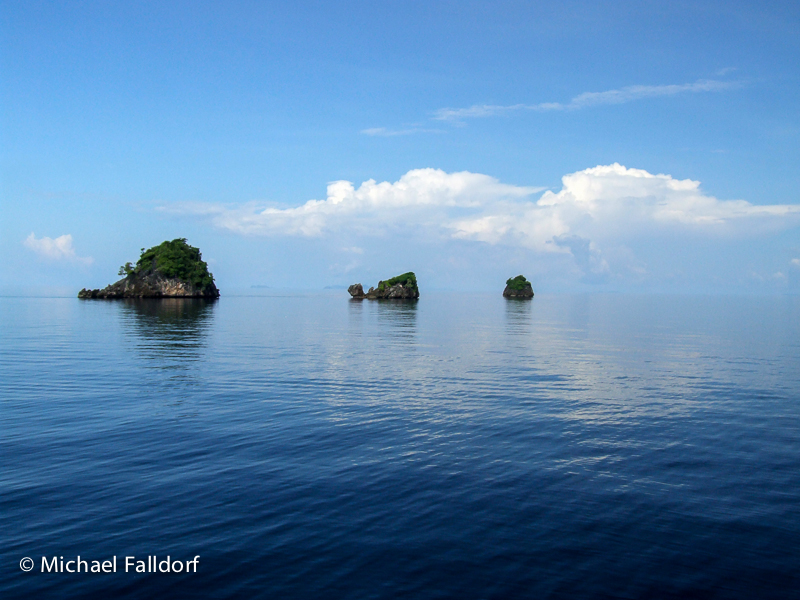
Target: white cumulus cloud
x,y
421,197
614,202
598,217
59,248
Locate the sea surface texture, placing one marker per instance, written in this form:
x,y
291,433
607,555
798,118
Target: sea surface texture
x,y
462,446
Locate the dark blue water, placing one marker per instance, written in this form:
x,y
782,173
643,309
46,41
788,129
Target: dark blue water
x,y
308,446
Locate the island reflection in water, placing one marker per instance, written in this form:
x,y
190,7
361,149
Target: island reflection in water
x,y
400,315
397,318
168,333
518,315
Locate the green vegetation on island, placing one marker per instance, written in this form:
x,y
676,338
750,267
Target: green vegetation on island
x,y
407,280
518,283
402,287
518,287
170,270
173,259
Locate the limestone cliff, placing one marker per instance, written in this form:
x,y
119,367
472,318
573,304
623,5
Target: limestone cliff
x,y
170,270
402,287
518,287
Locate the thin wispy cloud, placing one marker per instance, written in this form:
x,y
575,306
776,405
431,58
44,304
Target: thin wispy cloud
x,y
386,132
623,95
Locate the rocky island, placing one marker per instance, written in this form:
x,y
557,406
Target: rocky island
x,y
518,287
402,287
170,270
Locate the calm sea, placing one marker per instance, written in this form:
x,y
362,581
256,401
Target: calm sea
x,y
462,446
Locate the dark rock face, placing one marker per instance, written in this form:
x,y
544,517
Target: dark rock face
x,y
398,291
151,285
173,269
518,287
356,291
526,292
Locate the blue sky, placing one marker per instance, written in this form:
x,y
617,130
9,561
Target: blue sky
x,y
633,146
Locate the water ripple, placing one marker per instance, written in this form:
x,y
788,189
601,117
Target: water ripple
x,y
456,446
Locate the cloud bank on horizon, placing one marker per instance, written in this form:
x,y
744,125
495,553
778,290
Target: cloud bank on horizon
x,y
610,201
422,198
600,209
